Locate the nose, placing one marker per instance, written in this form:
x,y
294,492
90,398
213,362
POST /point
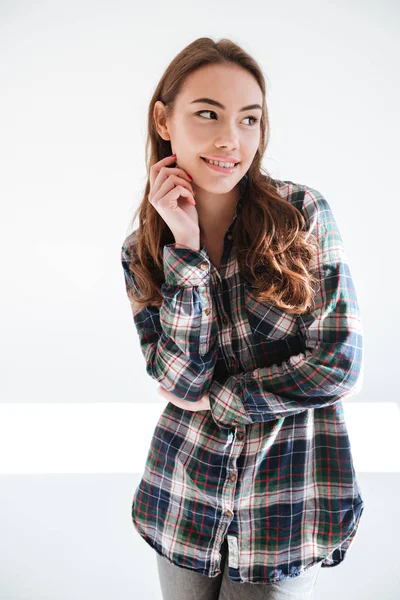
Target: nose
x,y
228,137
230,142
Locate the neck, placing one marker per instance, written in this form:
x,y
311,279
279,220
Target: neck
x,y
216,212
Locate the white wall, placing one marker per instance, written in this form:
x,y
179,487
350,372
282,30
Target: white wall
x,y
75,83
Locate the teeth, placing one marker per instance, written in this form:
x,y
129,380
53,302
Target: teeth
x,y
228,165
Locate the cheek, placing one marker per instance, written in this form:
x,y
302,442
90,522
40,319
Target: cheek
x,y
188,139
194,129
197,133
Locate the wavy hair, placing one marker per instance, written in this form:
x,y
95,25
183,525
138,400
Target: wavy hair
x,y
274,249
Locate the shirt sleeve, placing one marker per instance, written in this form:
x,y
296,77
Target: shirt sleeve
x,y
331,366
178,339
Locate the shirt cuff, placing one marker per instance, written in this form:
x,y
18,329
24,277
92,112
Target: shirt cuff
x,y
186,267
226,406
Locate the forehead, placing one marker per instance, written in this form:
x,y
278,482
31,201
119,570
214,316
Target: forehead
x,y
231,85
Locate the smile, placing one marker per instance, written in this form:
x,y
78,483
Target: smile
x,y
217,167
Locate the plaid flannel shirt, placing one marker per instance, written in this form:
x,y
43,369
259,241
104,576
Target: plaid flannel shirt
x,y
270,465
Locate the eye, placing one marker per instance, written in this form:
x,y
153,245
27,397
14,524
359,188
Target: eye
x,y
255,120
206,111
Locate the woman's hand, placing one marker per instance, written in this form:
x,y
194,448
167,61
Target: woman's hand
x,y
171,194
203,404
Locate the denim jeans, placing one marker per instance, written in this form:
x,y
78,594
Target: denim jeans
x,y
180,584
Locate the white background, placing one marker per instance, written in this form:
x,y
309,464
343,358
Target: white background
x,y
77,408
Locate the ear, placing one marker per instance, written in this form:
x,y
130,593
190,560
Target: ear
x,y
160,120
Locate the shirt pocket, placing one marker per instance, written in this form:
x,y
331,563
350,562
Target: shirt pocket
x,y
268,323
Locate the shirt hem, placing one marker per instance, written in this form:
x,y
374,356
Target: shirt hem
x,y
333,559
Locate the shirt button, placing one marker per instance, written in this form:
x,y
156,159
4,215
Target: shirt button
x,y
278,416
229,236
228,513
207,311
204,266
240,435
232,477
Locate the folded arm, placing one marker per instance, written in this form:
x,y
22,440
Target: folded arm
x,y
330,368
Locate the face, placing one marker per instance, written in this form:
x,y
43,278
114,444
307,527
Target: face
x,y
198,129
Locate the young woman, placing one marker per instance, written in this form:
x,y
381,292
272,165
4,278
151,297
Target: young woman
x,y
248,318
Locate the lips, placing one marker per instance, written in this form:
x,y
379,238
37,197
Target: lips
x,y
236,163
223,170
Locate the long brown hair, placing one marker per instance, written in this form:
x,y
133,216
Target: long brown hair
x,y
273,248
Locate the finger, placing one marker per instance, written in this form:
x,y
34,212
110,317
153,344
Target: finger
x,y
164,174
166,180
170,200
170,184
179,174
155,169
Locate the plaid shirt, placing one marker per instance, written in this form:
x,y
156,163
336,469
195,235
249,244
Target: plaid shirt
x,y
270,465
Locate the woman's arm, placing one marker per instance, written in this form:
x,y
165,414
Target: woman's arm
x,y
178,339
203,404
330,369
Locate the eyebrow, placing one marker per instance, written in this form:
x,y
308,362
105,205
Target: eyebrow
x,y
215,103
